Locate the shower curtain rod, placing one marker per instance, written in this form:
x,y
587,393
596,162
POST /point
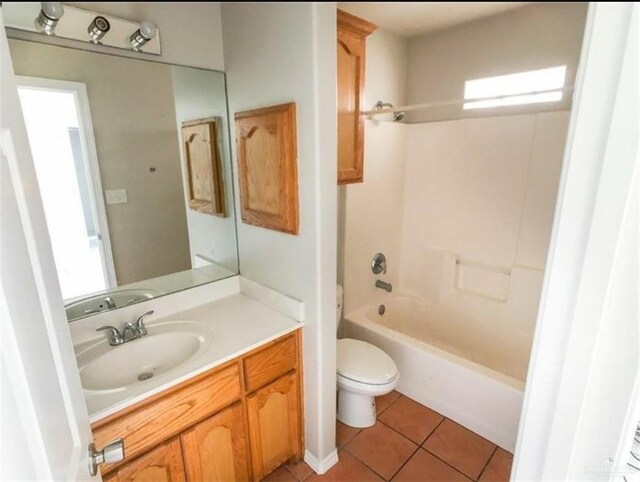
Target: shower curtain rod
x,y
442,103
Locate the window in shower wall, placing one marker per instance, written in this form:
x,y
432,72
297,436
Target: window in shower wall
x,y
531,87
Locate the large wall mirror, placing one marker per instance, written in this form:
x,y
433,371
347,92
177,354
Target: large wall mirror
x,y
133,162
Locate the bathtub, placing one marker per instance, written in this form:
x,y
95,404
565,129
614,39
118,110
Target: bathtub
x,y
471,371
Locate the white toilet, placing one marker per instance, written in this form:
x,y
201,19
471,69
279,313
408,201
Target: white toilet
x,y
364,372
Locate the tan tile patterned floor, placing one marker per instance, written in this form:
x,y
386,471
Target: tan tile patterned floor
x,y
409,442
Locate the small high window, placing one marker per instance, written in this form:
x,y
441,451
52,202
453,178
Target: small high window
x,y
531,87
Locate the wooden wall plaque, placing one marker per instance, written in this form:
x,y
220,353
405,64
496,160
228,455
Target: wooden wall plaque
x,y
205,180
267,167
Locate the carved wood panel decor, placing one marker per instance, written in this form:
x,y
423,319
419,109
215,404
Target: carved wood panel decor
x,y
205,185
267,167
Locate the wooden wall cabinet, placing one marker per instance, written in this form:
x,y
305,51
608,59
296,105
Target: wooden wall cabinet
x,y
238,422
352,33
268,167
205,179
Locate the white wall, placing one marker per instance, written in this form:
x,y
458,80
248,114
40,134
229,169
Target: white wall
x,y
482,192
532,37
276,53
370,220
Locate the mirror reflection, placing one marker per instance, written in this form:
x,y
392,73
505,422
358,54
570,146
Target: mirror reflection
x,y
132,158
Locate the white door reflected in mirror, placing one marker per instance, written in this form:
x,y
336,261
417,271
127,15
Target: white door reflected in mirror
x,y
59,144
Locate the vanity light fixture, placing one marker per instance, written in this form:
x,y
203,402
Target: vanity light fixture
x,y
146,32
98,29
50,14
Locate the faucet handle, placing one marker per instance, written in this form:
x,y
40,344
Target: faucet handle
x,y
140,322
115,337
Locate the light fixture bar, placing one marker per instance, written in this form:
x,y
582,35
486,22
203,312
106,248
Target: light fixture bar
x,y
78,24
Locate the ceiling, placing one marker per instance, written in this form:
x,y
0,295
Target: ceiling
x,y
416,18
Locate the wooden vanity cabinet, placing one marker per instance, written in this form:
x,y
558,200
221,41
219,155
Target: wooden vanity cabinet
x,y
162,464
352,32
217,448
237,422
274,421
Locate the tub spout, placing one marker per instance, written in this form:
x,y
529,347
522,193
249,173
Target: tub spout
x,y
384,285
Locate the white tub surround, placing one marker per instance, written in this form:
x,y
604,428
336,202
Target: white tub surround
x,y
468,370
239,324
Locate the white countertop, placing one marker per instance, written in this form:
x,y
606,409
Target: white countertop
x,y
239,325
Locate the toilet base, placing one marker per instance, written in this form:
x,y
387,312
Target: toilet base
x,y
356,409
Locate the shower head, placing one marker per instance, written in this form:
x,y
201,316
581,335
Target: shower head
x,y
397,116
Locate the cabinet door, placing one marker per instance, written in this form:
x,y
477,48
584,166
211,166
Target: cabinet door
x,y
162,464
216,449
274,424
352,33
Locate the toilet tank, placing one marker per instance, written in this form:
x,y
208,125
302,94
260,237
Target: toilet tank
x,y
339,300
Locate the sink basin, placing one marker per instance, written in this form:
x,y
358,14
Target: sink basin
x,y
98,302
167,347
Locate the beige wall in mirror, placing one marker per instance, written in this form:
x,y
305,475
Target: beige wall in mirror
x,y
125,232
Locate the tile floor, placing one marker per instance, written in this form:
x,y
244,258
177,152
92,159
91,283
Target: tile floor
x,y
409,442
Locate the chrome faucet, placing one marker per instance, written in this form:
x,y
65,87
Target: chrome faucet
x,y
384,285
130,331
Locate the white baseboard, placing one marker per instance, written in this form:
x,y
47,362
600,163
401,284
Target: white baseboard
x,y
321,466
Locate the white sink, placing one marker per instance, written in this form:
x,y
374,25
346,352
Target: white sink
x,y
167,347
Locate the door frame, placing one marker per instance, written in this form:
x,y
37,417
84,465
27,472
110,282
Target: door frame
x,y
90,160
597,195
49,432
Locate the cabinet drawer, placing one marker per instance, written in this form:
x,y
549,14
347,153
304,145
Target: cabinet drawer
x,y
268,364
156,421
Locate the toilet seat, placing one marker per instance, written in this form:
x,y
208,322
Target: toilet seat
x,y
364,363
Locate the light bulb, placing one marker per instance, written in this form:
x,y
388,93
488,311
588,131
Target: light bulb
x,y
53,10
141,36
148,30
50,14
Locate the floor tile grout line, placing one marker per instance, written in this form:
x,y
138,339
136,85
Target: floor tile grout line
x,y
488,462
389,406
447,463
365,464
468,429
399,433
418,446
405,463
350,438
295,476
433,431
458,470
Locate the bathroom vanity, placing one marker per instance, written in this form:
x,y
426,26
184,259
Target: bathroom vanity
x,y
233,411
225,424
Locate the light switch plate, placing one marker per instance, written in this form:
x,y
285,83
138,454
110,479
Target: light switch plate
x,y
116,196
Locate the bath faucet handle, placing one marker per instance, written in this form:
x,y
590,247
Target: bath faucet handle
x,y
140,323
379,264
115,337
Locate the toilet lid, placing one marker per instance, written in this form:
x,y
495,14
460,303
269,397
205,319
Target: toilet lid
x,y
363,362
